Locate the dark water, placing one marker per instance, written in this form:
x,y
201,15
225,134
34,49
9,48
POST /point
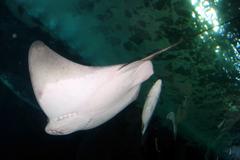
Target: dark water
x,y
201,77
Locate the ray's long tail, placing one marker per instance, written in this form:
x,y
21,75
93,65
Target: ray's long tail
x,y
155,54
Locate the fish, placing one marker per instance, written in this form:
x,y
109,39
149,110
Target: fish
x,y
171,116
18,85
78,97
150,104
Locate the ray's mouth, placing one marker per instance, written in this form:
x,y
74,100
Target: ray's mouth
x,y
54,132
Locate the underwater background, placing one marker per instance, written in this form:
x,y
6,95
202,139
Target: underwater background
x,y
201,76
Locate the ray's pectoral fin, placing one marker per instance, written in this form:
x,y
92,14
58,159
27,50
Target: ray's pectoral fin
x,y
150,104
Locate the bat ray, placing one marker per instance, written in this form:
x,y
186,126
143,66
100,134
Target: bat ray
x,y
78,97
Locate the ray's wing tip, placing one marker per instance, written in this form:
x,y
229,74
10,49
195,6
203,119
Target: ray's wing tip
x,y
35,45
35,48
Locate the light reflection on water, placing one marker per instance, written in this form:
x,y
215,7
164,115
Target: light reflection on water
x,y
206,14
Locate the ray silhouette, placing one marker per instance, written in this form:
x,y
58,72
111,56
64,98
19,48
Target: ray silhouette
x,y
78,97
